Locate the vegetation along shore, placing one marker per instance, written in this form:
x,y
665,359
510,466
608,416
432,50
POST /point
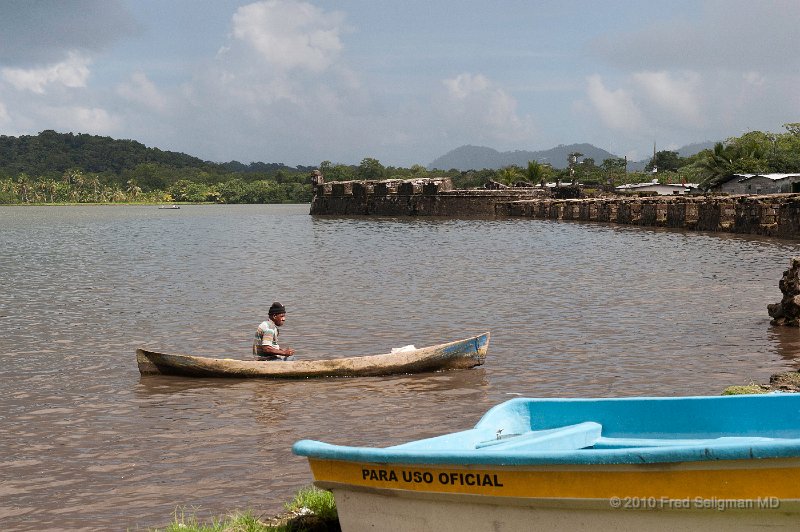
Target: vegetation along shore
x,y
65,168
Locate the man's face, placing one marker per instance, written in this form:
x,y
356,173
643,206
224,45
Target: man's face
x,y
278,319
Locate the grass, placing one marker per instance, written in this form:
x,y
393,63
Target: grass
x,y
746,389
312,509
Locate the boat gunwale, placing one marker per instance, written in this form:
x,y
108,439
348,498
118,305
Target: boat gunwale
x,y
630,455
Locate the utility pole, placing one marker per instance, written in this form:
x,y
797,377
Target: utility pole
x,y
655,166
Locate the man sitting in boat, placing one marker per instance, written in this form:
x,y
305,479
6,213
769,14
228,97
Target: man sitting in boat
x,y
265,344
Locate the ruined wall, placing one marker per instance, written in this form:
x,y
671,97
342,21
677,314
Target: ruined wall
x,y
772,215
417,197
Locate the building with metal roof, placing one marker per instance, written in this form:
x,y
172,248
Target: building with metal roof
x,y
759,184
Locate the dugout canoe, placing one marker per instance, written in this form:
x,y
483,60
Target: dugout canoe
x,y
460,354
642,463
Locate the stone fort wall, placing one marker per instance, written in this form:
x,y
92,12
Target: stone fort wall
x,y
771,215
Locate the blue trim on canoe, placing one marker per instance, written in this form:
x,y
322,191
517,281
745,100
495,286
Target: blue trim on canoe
x,y
634,431
474,343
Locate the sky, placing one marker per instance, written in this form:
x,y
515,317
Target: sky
x,y
301,82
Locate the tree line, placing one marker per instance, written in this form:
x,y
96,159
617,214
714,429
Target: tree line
x,y
66,168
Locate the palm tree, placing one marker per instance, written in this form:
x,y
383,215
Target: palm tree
x,y
509,175
717,165
23,185
133,189
535,173
95,184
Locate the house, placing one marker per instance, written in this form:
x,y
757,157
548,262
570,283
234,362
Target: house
x,y
661,189
759,184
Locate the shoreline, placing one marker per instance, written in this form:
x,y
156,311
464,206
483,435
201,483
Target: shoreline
x,y
787,382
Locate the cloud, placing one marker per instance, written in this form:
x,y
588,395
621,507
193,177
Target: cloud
x,y
92,120
474,106
5,118
72,72
616,108
141,90
290,35
279,88
34,33
675,96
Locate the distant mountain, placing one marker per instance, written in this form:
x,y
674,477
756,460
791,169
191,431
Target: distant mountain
x,y
480,157
694,149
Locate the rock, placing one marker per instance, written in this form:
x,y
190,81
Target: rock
x,y
789,382
787,311
780,382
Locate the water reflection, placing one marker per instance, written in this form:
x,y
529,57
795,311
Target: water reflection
x,y
787,343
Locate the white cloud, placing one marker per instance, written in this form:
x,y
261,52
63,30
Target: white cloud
x,y
465,85
616,108
675,96
754,79
290,35
83,119
72,72
143,91
473,104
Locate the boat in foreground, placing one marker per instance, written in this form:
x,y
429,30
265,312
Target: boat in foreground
x,y
460,354
685,463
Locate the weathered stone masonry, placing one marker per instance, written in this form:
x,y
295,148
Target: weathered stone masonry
x,y
418,197
773,215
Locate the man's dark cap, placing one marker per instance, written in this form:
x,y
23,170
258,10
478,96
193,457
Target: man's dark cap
x,y
277,308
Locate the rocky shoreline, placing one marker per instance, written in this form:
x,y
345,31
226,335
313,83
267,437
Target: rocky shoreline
x,y
780,382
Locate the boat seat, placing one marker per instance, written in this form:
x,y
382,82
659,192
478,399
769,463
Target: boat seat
x,y
567,438
628,443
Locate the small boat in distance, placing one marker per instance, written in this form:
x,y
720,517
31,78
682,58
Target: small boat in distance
x,y
682,463
169,206
461,354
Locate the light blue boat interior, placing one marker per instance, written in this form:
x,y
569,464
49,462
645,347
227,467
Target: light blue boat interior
x,y
603,431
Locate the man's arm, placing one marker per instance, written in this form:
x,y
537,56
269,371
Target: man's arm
x,y
268,349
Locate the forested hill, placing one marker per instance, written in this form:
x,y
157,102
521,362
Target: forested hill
x,y
51,154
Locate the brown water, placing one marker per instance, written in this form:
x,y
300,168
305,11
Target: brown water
x,y
574,310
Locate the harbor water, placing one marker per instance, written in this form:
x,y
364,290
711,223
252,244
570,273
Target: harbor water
x,y
574,309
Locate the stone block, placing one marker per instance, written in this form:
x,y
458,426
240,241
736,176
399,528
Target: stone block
x,y
362,189
384,188
344,188
409,188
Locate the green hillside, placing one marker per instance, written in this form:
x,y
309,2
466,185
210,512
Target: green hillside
x,y
52,153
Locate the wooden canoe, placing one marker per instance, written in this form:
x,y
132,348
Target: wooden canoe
x,y
460,354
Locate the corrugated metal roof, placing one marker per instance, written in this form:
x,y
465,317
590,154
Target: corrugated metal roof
x,y
641,185
774,177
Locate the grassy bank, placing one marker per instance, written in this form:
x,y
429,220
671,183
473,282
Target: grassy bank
x,y
311,510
